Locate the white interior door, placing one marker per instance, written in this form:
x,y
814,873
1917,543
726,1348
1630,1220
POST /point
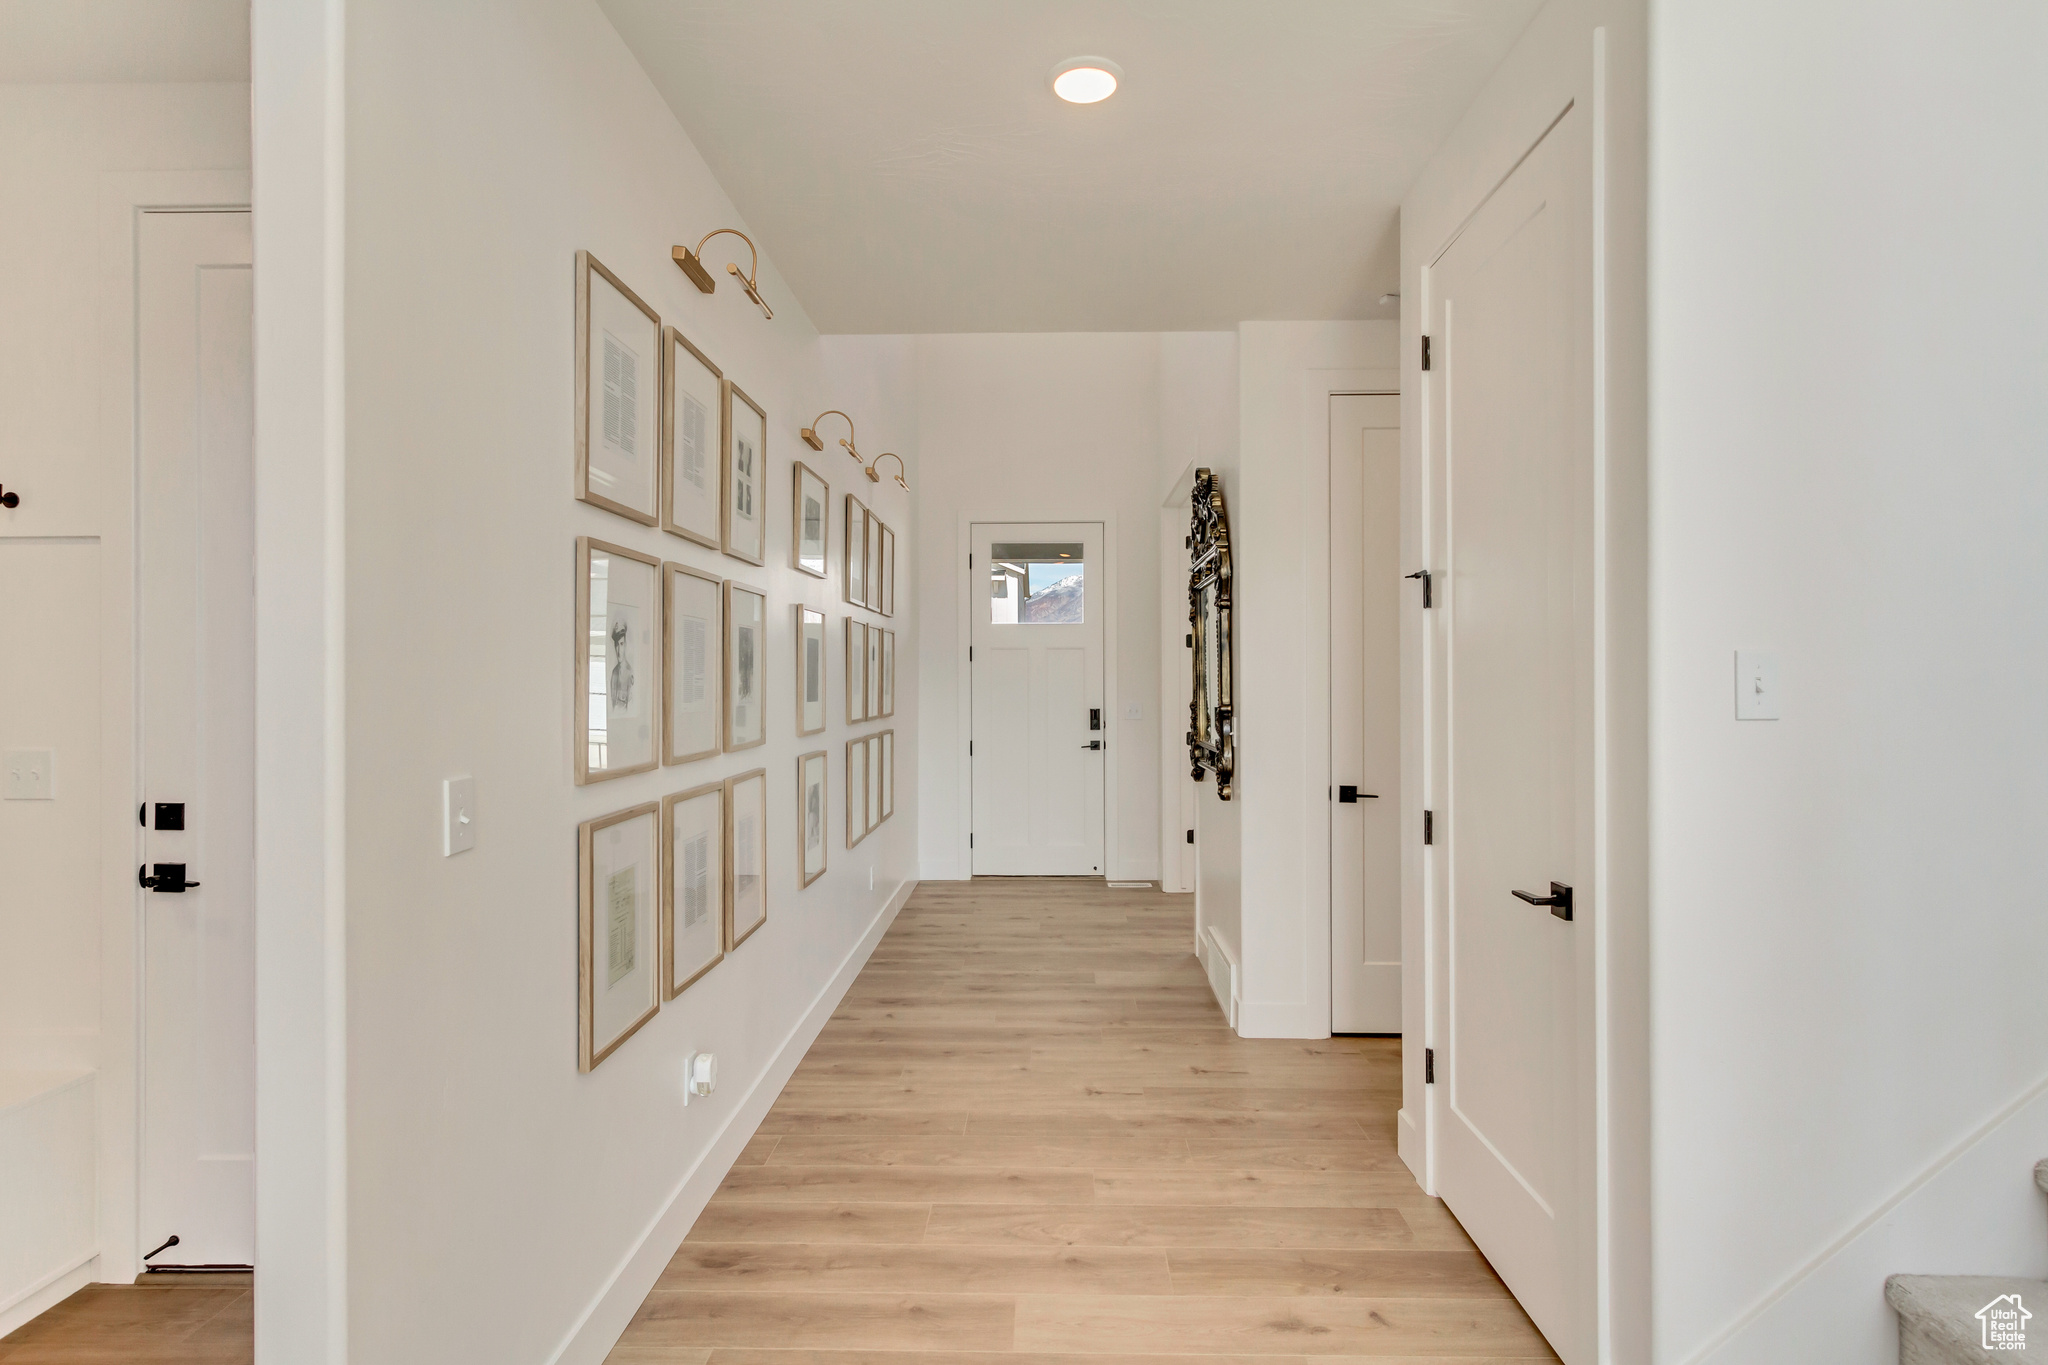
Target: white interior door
x,y
197,689
1040,728
1365,713
1509,309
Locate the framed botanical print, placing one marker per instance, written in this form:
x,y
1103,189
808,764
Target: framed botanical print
x,y
888,773
693,886
693,633
874,547
617,660
692,437
746,476
874,672
888,673
810,815
746,667
888,572
810,670
874,747
810,532
746,855
856,551
619,866
856,671
618,386
856,791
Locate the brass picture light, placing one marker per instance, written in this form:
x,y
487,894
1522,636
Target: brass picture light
x,y
888,455
817,442
691,263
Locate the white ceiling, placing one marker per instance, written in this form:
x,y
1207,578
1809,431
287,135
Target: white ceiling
x,y
61,42
907,166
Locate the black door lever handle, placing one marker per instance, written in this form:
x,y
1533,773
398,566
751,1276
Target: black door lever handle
x,y
1348,795
169,877
1559,900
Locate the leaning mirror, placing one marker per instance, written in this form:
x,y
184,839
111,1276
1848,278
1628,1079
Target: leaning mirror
x,y
1211,746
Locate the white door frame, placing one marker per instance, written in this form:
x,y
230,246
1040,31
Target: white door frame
x,y
963,714
124,198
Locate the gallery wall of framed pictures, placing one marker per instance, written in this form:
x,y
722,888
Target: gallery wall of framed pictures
x,y
672,662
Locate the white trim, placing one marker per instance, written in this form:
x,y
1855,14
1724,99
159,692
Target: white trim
x,y
605,1320
46,1293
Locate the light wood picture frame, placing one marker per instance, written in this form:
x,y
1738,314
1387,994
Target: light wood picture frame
x,y
888,738
856,671
693,414
856,791
874,767
810,521
693,647
746,666
618,931
615,661
693,910
872,674
888,572
854,579
618,395
812,806
744,523
888,674
810,669
874,547
746,856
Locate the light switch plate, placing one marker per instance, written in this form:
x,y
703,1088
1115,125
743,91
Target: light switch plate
x,y
1756,685
31,774
1134,710
458,815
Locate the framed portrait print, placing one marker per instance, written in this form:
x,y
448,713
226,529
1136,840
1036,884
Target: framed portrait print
x,y
810,670
856,551
693,885
746,667
856,791
746,476
874,538
617,660
810,531
888,673
618,387
888,572
620,879
810,815
693,634
874,672
856,671
692,437
746,855
874,747
888,773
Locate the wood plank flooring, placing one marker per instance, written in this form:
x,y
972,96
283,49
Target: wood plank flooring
x,y
1027,1138
163,1320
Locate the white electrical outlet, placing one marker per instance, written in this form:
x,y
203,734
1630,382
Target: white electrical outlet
x,y
1134,710
700,1076
1756,685
31,774
458,815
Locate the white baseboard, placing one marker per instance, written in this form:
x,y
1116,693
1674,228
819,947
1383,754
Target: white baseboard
x,y
601,1325
1220,965
1408,1146
1282,1019
46,1293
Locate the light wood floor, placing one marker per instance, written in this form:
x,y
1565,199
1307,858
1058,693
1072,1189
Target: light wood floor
x,y
165,1320
1027,1136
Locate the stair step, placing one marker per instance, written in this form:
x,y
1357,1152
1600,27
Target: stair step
x,y
1938,1322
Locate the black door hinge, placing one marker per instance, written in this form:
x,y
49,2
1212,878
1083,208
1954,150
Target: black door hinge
x,y
970,748
1425,353
1429,1066
970,841
1191,639
1429,827
970,654
1191,836
1427,596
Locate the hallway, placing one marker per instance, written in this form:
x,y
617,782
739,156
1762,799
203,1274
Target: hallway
x,y
1027,1130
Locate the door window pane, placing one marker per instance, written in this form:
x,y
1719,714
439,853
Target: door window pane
x,y
1036,584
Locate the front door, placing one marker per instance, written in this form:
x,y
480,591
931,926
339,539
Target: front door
x,y
1511,471
197,689
1365,713
1040,730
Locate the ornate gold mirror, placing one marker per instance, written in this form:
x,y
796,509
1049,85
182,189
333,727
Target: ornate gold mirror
x,y
1211,746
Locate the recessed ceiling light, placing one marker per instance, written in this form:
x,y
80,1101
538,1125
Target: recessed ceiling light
x,y
1086,80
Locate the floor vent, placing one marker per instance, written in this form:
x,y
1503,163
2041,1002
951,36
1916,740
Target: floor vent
x,y
1216,960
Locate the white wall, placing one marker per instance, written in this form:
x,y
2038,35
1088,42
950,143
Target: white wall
x,y
500,1206
1849,469
75,160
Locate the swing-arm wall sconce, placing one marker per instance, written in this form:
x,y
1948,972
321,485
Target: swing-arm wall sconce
x,y
888,455
692,264
817,442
